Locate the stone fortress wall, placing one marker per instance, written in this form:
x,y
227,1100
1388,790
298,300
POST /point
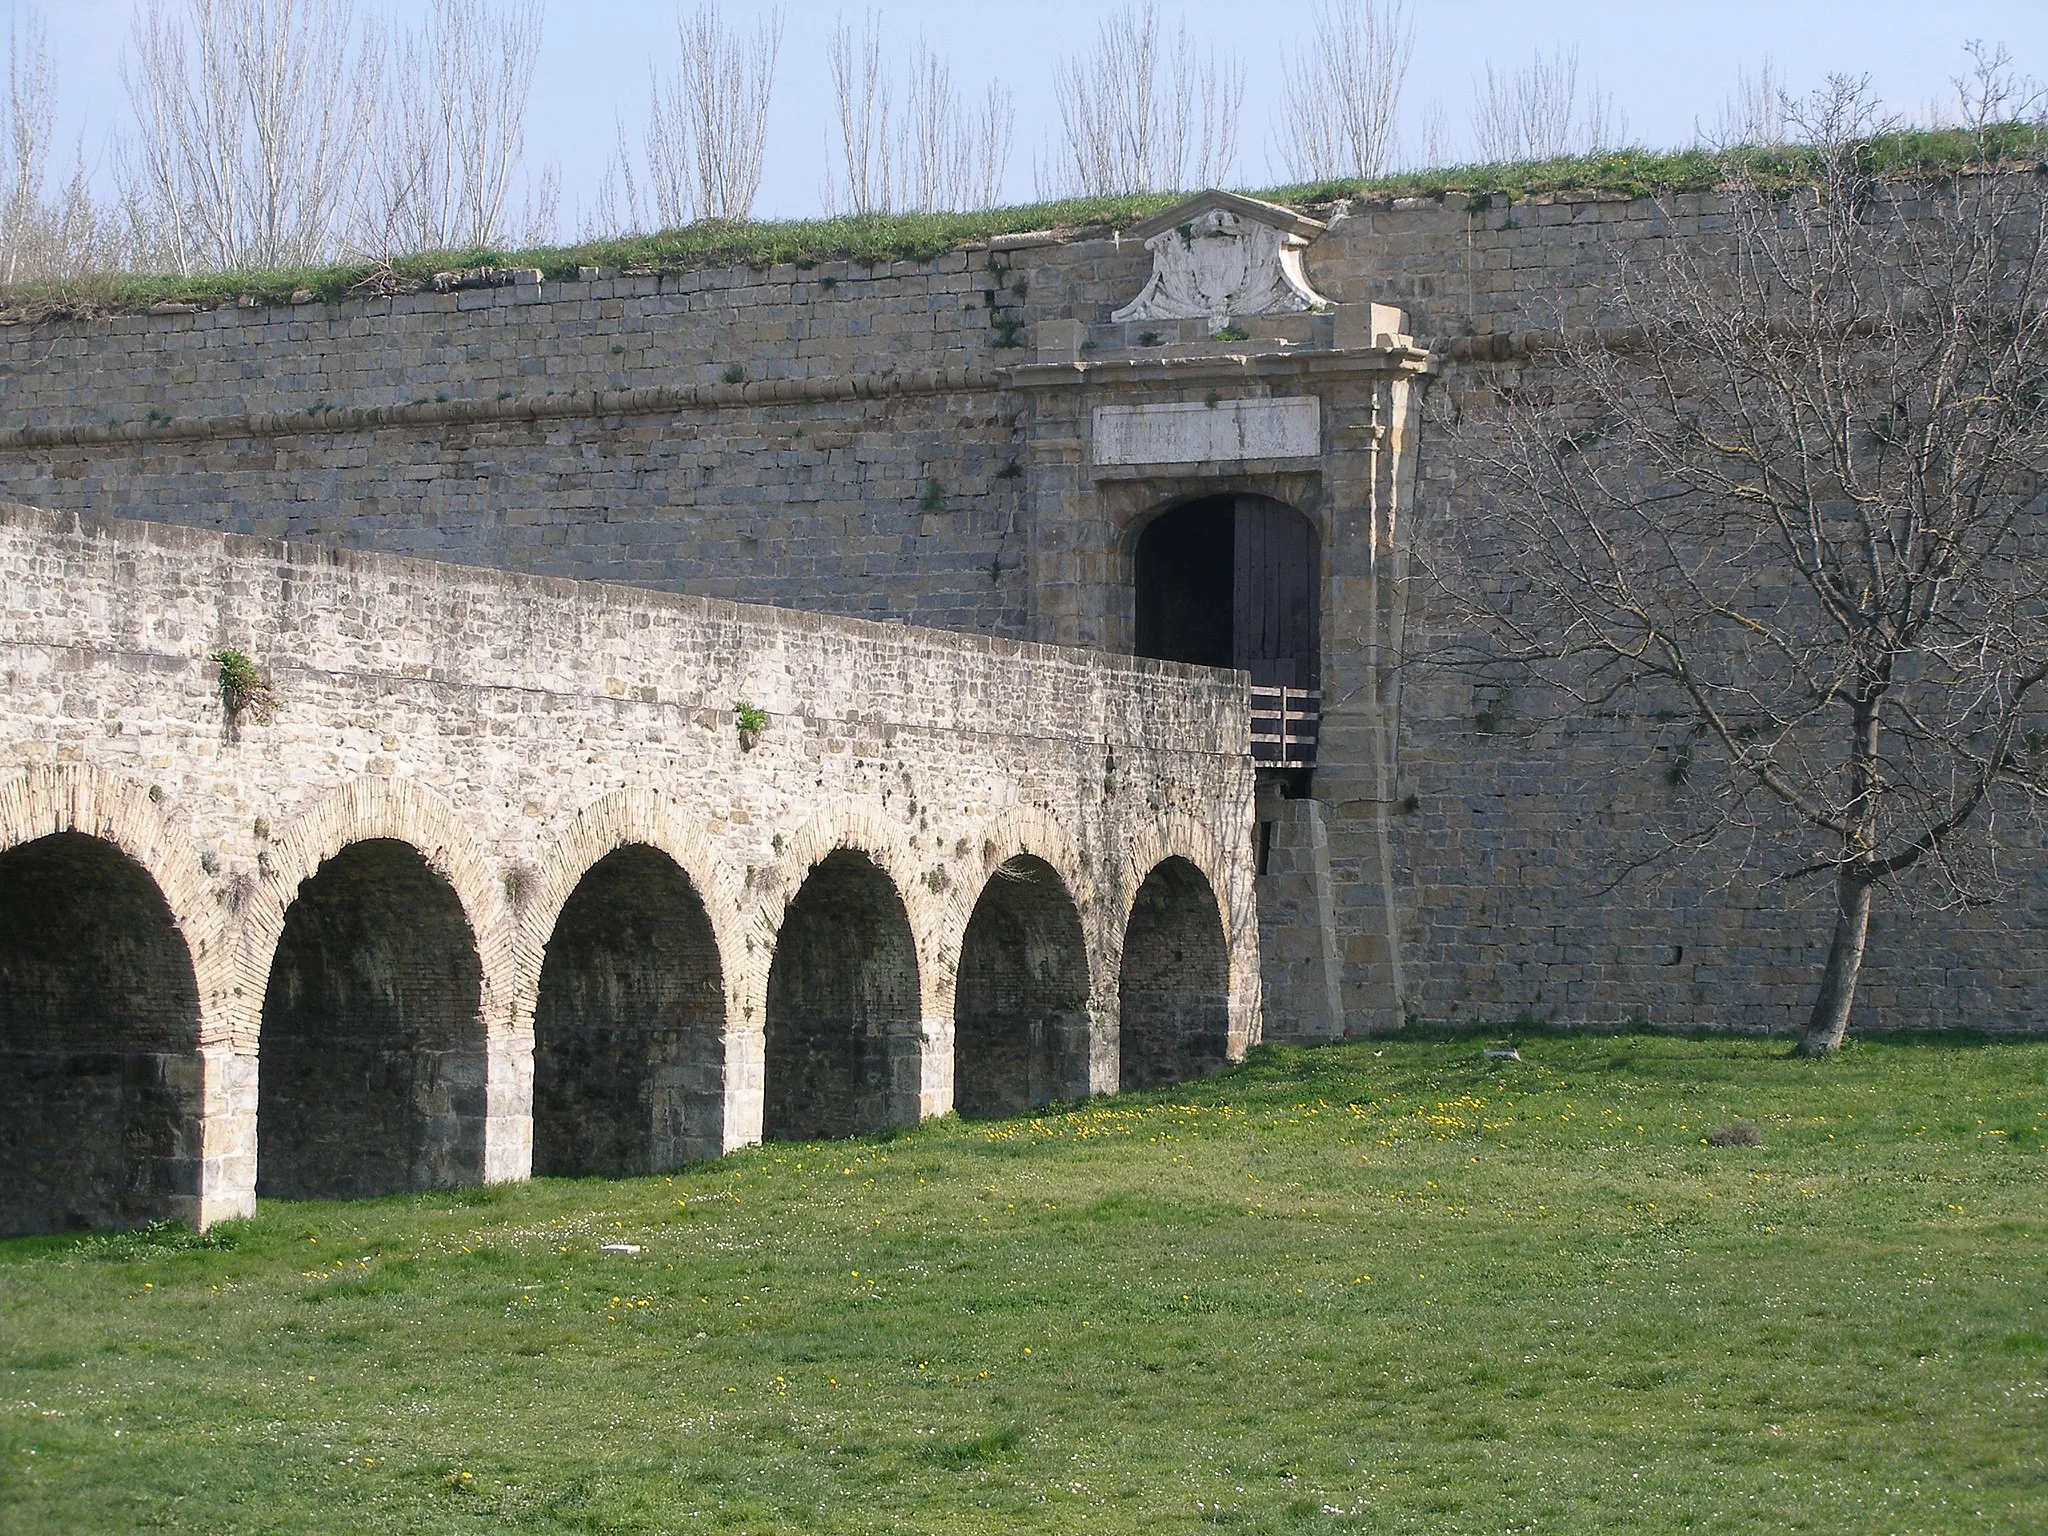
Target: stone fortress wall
x,y
913,441
492,882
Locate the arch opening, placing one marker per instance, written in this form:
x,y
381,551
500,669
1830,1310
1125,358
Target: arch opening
x,y
371,1074
629,1024
843,1028
1174,990
1020,1012
100,1079
1233,581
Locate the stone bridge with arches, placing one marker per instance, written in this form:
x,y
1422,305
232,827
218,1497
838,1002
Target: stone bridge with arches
x,y
483,879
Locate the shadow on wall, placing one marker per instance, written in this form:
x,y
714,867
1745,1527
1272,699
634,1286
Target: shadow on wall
x,y
629,1026
843,1000
1174,994
99,1039
1020,1013
372,1071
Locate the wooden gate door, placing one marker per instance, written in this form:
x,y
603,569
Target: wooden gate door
x,y
1276,620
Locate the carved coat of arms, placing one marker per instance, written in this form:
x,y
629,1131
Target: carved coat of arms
x,y
1220,255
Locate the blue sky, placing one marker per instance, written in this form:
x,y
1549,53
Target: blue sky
x,y
1666,63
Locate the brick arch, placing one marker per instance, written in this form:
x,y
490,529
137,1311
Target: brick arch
x,y
618,820
373,808
150,1137
1176,834
116,810
865,826
1026,829
1026,1029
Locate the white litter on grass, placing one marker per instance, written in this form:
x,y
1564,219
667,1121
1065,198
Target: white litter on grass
x,y
628,1249
1505,1053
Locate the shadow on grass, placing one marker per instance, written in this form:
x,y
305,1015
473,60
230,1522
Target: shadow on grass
x,y
160,1239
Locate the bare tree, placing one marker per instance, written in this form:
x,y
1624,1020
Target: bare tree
x,y
1143,112
989,169
1436,135
1791,500
1754,114
616,205
27,119
1344,88
860,91
951,157
452,126
540,208
1539,113
47,232
713,122
671,172
251,116
935,153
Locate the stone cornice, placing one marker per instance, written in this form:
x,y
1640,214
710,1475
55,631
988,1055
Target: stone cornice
x,y
1302,365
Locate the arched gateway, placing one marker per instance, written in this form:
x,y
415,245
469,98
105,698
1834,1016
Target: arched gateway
x,y
1236,581
1233,581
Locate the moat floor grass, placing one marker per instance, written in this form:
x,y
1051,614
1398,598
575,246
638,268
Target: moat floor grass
x,y
1382,1287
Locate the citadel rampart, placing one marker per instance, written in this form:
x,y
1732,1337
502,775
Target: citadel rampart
x,y
918,441
497,885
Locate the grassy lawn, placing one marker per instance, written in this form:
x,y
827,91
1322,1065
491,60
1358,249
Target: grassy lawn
x,y
1383,1287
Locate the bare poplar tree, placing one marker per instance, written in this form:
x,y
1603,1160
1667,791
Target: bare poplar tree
x,y
1539,113
671,173
452,126
250,116
1143,112
1344,88
1753,114
860,90
28,123
1791,501
933,169
1436,135
950,156
615,205
990,167
49,230
720,102
934,153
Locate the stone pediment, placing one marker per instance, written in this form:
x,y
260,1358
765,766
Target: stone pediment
x,y
1219,255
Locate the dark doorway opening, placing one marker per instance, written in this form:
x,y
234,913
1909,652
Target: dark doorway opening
x,y
371,1077
1174,990
1020,1013
1233,581
99,1039
629,1025
843,1008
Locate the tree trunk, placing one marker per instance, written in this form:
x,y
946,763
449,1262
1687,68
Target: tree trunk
x,y
1829,1021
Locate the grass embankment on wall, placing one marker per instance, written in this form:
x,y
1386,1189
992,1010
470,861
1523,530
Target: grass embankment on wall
x,y
1382,1287
924,236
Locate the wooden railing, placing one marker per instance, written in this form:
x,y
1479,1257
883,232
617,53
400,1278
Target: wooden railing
x,y
1286,723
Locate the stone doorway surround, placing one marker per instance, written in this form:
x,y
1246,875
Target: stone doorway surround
x,y
1266,390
